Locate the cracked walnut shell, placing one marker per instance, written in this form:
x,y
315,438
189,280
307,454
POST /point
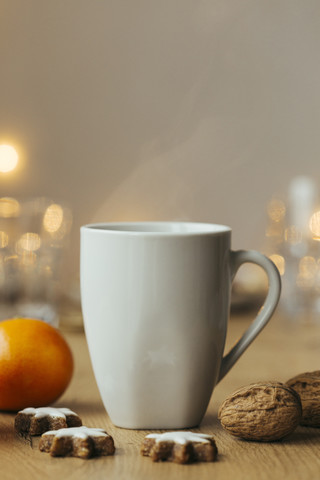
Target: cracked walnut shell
x,y
307,385
262,411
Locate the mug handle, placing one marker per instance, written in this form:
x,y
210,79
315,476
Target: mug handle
x,y
237,259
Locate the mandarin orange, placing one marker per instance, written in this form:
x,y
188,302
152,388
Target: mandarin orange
x,y
36,364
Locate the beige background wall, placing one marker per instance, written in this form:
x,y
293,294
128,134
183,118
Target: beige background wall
x,y
160,109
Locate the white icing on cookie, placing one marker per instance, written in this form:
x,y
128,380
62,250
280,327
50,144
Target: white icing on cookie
x,y
44,411
180,437
79,432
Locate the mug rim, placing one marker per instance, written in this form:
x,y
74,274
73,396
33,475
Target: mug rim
x,y
155,228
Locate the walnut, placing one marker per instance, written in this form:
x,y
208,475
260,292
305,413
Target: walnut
x,y
307,385
261,411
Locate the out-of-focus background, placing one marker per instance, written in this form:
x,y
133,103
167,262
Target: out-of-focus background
x,y
200,110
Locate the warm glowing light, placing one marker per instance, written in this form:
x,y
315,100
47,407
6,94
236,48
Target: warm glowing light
x,y
8,158
293,235
308,267
11,259
9,207
276,210
275,230
53,218
279,262
305,282
29,242
4,239
28,258
314,224
48,271
58,222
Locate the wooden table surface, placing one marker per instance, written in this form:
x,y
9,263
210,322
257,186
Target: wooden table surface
x,y
282,350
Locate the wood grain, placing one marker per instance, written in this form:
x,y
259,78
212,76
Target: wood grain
x,y
282,350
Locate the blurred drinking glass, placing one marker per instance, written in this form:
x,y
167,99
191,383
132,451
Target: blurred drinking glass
x,y
33,237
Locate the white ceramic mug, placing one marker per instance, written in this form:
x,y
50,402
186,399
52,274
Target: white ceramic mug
x,y
155,301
